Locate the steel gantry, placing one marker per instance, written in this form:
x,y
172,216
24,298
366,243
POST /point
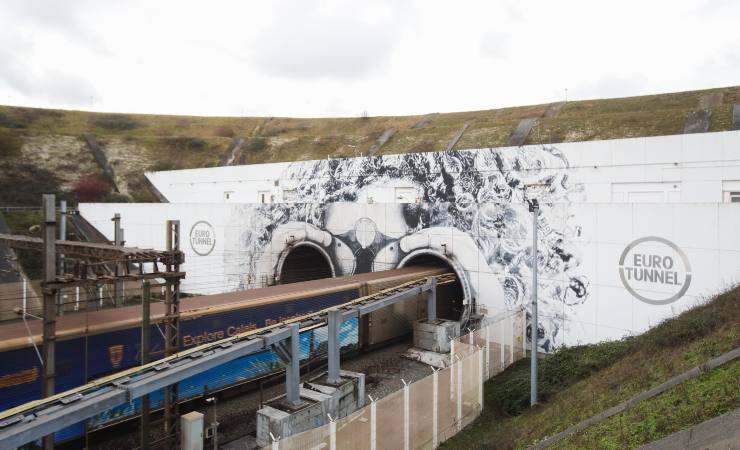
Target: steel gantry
x,y
35,419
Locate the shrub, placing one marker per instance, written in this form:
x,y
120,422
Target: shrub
x,y
116,123
163,165
255,144
7,122
182,143
225,131
10,144
22,183
556,371
92,188
115,197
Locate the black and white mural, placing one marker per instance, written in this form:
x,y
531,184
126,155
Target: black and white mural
x,y
471,211
630,230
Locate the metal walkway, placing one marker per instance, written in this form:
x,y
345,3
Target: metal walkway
x,y
33,420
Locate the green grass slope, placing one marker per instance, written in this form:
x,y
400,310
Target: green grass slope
x,y
42,150
579,382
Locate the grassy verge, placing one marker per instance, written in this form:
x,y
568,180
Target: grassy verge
x,y
580,382
710,395
41,150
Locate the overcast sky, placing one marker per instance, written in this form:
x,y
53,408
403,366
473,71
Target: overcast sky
x,y
340,58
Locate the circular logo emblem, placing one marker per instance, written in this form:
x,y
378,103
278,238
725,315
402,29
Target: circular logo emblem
x,y
654,270
202,238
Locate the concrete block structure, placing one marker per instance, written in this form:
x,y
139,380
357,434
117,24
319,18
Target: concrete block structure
x,y
319,401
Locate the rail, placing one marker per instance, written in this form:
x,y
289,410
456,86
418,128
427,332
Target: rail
x,y
32,420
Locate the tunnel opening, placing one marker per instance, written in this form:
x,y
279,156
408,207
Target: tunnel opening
x,y
450,296
305,263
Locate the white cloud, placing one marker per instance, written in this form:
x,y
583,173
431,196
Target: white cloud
x,y
314,41
336,57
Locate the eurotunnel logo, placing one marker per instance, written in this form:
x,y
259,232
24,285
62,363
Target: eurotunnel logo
x,y
202,238
115,352
655,270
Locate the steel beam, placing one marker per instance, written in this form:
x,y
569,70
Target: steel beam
x,y
432,299
118,242
47,424
335,324
146,297
390,300
172,337
50,307
188,366
293,369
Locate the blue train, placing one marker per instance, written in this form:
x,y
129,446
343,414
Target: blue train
x,y
95,344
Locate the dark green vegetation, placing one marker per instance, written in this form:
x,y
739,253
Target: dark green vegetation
x,y
42,150
579,382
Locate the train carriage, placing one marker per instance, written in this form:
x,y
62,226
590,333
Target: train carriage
x,y
93,344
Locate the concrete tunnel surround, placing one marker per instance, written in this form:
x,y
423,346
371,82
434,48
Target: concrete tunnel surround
x,y
448,259
284,255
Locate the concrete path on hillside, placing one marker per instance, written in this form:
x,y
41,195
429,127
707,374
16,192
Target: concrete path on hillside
x,y
722,432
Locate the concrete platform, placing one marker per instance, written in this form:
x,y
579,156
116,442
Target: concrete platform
x,y
435,335
319,399
434,359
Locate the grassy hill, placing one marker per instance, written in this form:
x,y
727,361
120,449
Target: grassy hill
x,y
43,150
578,382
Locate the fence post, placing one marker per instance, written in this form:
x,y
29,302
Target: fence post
x,y
511,334
435,407
480,377
502,324
332,433
459,394
488,351
523,317
25,297
511,337
373,424
406,415
452,369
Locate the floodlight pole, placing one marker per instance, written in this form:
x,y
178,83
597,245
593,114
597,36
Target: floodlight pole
x,y
535,208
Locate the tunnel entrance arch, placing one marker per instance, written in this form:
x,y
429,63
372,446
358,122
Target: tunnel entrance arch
x,y
451,298
304,262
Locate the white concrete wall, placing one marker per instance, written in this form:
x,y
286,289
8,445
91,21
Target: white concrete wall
x,y
692,167
606,208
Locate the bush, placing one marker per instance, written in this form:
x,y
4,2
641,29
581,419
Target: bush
x,y
163,165
92,188
181,143
115,197
225,131
255,144
116,123
556,371
694,323
10,144
7,122
22,183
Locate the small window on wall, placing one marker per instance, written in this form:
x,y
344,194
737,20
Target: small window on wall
x,y
405,195
732,197
228,195
264,196
290,196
